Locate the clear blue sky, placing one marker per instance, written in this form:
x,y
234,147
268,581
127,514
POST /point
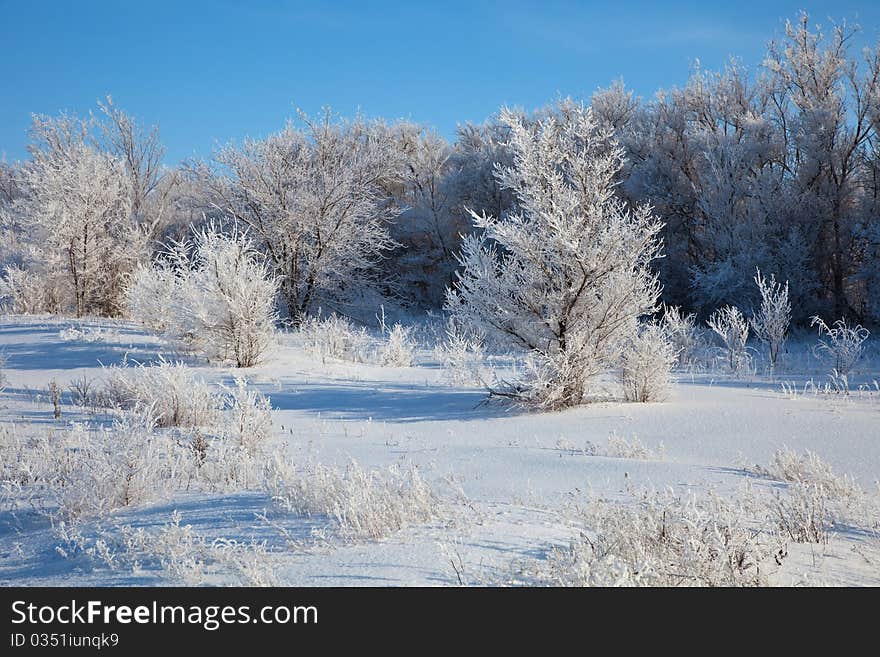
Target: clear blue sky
x,y
216,71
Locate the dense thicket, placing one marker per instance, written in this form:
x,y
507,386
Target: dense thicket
x,y
776,169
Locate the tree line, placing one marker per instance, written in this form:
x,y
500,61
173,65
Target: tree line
x,y
775,169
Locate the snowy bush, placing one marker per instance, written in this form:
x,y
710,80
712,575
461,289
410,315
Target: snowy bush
x,y
248,422
617,447
18,465
633,448
397,351
224,432
175,397
816,497
364,503
842,344
25,292
645,365
771,321
663,539
731,326
219,296
462,355
788,465
150,295
568,274
90,472
335,337
802,513
83,391
684,334
553,381
189,559
88,334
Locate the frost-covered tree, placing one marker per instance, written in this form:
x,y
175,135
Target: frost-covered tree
x,y
871,267
478,150
566,275
77,209
315,202
770,322
430,224
140,151
13,239
87,208
825,99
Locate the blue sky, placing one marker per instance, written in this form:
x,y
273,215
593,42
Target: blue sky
x,y
211,72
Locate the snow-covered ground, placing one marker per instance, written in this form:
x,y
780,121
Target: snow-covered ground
x,y
507,477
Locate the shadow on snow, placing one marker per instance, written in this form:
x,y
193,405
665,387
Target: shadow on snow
x,y
391,402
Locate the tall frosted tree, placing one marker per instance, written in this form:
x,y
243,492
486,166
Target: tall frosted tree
x,y
567,274
78,210
827,100
315,201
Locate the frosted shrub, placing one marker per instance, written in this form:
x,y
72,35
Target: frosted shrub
x,y
816,497
621,448
802,513
20,462
230,454
83,391
336,338
174,395
151,295
645,366
223,432
397,351
24,292
365,504
193,560
248,422
685,336
841,343
92,472
553,381
219,296
617,447
567,275
771,321
229,299
87,334
663,540
462,355
788,465
731,326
